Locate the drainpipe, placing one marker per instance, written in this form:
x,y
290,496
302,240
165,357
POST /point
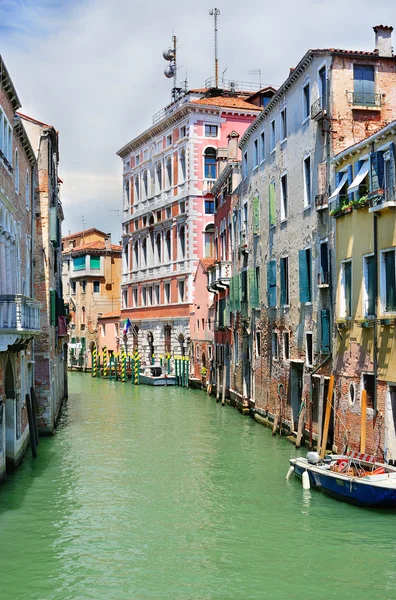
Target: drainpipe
x,y
375,342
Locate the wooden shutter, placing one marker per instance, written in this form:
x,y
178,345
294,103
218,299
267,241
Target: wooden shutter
x,y
370,264
271,283
390,281
322,178
253,290
392,182
283,282
304,276
272,205
256,215
376,171
350,179
325,331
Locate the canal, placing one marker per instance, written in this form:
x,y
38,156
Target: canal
x,y
162,493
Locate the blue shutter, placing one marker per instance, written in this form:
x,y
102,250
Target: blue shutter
x,y
376,171
304,273
283,283
350,179
271,283
325,331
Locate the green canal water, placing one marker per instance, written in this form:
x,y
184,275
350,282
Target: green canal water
x,y
162,493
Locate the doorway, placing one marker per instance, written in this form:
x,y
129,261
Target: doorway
x,y
296,387
390,423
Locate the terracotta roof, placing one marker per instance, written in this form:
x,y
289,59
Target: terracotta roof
x,y
27,118
342,51
98,245
80,233
111,315
227,102
207,263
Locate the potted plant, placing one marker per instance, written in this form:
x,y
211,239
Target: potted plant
x,y
342,323
203,373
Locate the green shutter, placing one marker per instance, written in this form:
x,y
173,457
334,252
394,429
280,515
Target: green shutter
x,y
256,215
283,283
78,263
94,262
370,265
238,292
376,171
305,287
271,283
325,331
52,307
390,281
253,290
272,205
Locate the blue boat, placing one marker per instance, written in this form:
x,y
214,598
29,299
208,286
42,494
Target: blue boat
x,y
350,479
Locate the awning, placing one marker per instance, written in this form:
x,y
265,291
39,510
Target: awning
x,y
364,169
339,187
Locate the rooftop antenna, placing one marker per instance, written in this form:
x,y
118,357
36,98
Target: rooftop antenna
x,y
215,12
256,72
171,70
223,73
117,210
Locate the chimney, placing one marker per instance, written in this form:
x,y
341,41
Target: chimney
x,y
107,242
383,40
233,138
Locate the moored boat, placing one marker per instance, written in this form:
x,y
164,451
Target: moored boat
x,y
355,478
152,375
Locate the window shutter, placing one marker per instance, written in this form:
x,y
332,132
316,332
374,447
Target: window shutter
x,y
392,182
238,292
350,179
256,215
303,275
52,307
283,283
390,281
271,283
78,263
94,262
325,330
376,171
272,206
53,224
253,291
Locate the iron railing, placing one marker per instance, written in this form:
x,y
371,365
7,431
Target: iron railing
x,y
321,201
365,99
317,108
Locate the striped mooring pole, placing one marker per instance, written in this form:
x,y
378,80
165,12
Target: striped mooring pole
x,y
123,367
94,363
105,372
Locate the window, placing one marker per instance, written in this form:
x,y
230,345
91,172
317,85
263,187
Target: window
x,y
307,181
137,159
368,385
136,224
5,137
116,330
182,242
209,239
79,263
103,330
283,197
275,345
96,287
168,171
137,187
322,87
181,287
346,289
286,345
272,204
308,349
325,331
245,165
211,130
210,165
16,172
27,190
159,216
306,101
209,207
305,275
283,122
273,135
83,286
284,277
169,140
258,343
160,146
388,281
94,262
168,246
125,298
156,294
73,286
182,208
158,171
144,296
363,85
271,283
144,253
158,247
262,146
135,297
255,153
136,255
145,184
168,212
324,276
369,284
183,131
167,293
182,162
150,295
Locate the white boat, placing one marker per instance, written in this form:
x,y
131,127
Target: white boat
x,y
153,375
355,478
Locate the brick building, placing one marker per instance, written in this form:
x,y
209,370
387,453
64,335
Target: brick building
x,y
91,273
202,319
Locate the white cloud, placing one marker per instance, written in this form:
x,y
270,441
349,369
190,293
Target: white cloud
x,y
94,69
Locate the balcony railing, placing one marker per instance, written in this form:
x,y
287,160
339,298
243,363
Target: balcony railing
x,y
381,199
19,313
323,279
321,201
317,108
364,99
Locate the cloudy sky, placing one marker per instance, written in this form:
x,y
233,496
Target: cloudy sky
x,y
93,69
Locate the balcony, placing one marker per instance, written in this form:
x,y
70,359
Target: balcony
x,y
382,199
219,276
321,202
317,110
19,318
207,185
323,279
87,271
365,100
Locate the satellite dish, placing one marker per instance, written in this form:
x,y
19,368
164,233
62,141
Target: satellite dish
x,y
168,54
169,71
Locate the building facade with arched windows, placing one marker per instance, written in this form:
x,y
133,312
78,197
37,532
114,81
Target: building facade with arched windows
x,y
168,224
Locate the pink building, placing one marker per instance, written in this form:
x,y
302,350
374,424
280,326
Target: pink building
x,y
168,224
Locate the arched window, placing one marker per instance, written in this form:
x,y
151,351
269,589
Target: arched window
x,y
144,251
158,247
145,184
159,176
126,256
168,246
126,194
27,190
16,171
137,187
136,252
182,241
182,162
210,163
168,172
209,241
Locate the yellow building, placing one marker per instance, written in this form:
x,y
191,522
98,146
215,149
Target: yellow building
x,y
92,286
363,205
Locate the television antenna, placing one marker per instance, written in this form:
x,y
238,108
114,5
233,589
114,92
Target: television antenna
x,y
256,72
171,70
215,12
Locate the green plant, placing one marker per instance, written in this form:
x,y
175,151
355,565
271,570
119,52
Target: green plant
x,y
203,371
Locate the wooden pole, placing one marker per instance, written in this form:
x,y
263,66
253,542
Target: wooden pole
x,y
327,417
32,433
320,411
34,413
363,423
301,420
223,391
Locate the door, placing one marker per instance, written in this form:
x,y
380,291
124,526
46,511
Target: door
x,y
296,386
390,424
